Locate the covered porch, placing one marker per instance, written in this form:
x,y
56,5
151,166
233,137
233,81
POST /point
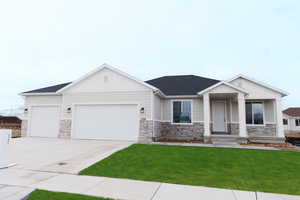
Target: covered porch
x,y
228,113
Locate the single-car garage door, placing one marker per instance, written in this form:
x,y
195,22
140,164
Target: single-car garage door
x,y
106,122
44,121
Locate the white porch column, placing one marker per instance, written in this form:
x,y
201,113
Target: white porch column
x,y
242,116
206,109
279,118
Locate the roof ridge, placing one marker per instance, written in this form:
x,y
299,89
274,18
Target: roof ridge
x,y
168,76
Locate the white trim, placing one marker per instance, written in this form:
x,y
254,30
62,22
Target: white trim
x,y
103,103
270,123
230,105
188,100
157,120
151,105
180,97
40,94
274,110
103,66
161,109
222,83
108,103
258,125
282,92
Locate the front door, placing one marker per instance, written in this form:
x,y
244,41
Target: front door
x,y
218,116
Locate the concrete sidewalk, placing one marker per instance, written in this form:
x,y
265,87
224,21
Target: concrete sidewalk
x,y
14,192
125,189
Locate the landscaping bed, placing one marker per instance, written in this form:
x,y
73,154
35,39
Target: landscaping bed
x,y
241,169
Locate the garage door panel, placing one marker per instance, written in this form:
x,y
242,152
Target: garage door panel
x,y
107,122
44,121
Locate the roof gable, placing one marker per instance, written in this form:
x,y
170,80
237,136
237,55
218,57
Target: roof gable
x,y
227,88
182,85
262,84
105,79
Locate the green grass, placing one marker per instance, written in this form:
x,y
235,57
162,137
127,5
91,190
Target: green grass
x,y
47,195
242,169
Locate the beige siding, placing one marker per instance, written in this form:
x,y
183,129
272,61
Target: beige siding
x,y
235,111
166,110
38,100
157,108
141,97
255,91
269,111
198,114
107,81
228,111
222,89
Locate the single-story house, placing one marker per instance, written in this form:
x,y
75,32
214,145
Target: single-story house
x,y
108,104
291,120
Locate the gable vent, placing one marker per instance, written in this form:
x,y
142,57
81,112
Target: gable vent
x,y
105,79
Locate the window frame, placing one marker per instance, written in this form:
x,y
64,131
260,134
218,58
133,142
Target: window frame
x,y
263,112
297,119
181,100
285,122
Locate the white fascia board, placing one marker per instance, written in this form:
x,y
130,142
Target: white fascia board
x,y
40,94
282,92
222,83
181,96
103,66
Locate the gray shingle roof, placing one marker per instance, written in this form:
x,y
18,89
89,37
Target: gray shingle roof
x,y
169,85
51,89
182,85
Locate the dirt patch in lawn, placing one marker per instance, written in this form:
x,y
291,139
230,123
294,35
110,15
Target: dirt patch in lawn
x,y
285,146
293,135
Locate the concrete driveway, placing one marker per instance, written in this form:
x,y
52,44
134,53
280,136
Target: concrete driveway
x,y
60,155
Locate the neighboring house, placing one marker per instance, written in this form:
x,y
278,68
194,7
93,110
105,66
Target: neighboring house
x,y
112,105
13,123
291,120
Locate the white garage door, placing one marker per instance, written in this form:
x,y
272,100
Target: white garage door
x,y
44,121
107,122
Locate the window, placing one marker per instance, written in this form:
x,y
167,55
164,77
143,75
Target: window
x,y
254,113
285,122
297,122
182,112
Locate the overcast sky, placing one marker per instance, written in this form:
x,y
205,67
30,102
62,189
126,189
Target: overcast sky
x,y
50,42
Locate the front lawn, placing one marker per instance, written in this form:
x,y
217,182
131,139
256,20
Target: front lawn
x,y
47,195
242,169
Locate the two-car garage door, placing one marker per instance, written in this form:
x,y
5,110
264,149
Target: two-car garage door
x,y
101,121
107,122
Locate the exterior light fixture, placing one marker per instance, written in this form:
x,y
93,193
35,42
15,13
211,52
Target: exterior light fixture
x,y
142,110
69,109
